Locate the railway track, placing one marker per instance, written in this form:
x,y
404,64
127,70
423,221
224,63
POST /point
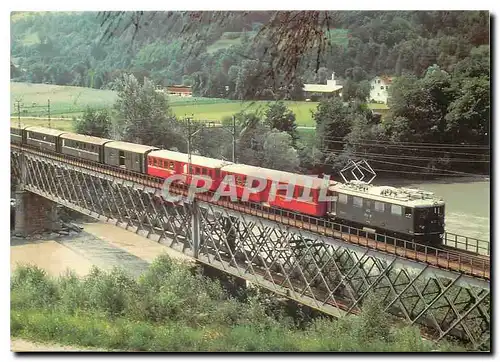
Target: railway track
x,y
443,257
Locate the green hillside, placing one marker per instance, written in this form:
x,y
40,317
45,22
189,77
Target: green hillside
x,y
67,48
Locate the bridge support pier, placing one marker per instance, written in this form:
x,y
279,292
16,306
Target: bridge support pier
x,y
34,213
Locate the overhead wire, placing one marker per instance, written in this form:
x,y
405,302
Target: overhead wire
x,y
418,158
424,168
408,142
482,154
393,145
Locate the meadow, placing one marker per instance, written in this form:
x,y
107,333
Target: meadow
x,y
67,102
227,40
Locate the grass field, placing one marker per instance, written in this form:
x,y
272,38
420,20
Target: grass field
x,y
228,39
222,44
64,100
217,111
67,102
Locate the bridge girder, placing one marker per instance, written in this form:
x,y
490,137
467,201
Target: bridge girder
x,y
326,274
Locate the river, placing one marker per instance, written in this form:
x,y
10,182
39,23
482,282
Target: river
x,y
467,210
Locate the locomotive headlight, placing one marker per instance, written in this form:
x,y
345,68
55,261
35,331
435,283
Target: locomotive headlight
x,y
422,227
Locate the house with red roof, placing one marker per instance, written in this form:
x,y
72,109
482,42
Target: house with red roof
x,y
180,90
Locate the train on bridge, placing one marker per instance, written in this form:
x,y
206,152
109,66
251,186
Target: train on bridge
x,y
409,214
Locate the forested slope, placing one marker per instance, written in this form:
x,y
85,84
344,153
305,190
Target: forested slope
x,y
68,49
439,118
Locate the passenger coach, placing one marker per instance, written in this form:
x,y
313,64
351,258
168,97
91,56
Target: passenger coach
x,y
129,156
16,134
304,191
43,138
164,163
86,147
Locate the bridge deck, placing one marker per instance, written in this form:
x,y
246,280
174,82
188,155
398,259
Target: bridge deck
x,y
452,260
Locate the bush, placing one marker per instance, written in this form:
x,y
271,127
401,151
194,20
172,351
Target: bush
x,y
109,292
373,323
32,288
172,307
72,294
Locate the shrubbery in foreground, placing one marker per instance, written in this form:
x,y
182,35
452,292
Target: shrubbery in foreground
x,y
172,308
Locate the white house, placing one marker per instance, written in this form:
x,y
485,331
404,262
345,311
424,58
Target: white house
x,y
331,86
379,87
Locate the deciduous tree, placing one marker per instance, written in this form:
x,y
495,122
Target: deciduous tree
x,y
279,117
94,123
144,115
279,153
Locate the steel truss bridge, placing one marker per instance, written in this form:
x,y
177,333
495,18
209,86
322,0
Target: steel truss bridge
x,y
325,265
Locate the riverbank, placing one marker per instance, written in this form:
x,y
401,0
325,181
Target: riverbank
x,y
172,308
23,345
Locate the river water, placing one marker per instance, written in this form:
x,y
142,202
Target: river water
x,y
467,210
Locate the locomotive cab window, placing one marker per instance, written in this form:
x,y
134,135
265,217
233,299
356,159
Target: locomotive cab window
x,y
171,165
343,198
424,213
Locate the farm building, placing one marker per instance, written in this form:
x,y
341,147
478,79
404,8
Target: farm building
x,y
180,90
331,88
